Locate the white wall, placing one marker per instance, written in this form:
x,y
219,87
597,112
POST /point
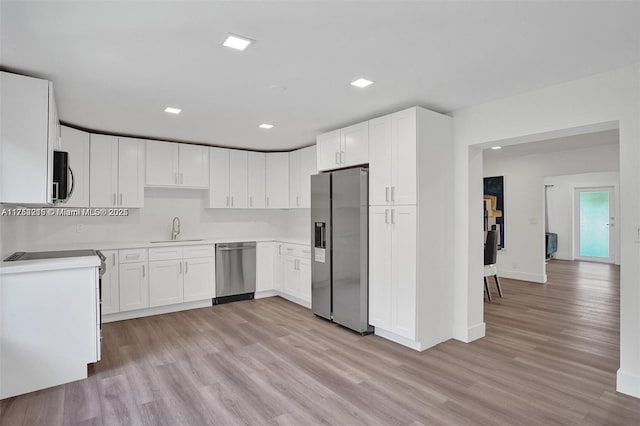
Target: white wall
x,y
524,254
569,108
153,222
561,202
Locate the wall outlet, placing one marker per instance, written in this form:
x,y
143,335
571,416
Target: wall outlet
x,y
79,227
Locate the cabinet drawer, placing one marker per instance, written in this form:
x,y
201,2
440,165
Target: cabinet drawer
x,y
132,255
198,251
165,253
296,250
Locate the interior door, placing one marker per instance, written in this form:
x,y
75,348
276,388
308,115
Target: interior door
x,y
595,220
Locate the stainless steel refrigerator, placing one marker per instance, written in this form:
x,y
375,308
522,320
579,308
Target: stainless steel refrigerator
x,y
339,240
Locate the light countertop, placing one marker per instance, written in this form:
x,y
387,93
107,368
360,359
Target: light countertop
x,y
91,261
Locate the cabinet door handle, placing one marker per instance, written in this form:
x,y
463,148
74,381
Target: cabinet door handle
x,y
227,201
337,157
250,201
297,201
132,256
186,267
232,201
121,198
267,201
143,272
114,198
113,262
386,216
180,268
393,216
393,193
342,156
175,177
386,194
181,178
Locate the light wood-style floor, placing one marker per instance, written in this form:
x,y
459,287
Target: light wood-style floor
x,y
549,357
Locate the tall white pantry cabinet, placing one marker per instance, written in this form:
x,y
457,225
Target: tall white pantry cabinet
x,y
410,235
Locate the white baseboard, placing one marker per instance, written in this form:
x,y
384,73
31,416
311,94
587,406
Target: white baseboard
x,y
469,334
416,346
294,299
628,383
522,276
267,293
139,313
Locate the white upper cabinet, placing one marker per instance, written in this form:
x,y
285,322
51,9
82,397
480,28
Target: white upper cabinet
x,y
76,143
328,146
295,181
103,169
277,180
344,147
238,162
28,135
228,178
354,141
404,136
130,172
256,186
392,159
162,163
219,178
193,165
302,164
308,167
175,164
116,172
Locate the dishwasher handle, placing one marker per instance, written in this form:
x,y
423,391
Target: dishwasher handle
x,y
235,248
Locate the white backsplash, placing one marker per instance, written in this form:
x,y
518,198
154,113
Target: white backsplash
x,y
153,222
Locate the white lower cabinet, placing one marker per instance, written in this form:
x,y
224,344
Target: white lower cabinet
x,y
265,267
392,269
165,282
110,283
134,286
296,271
199,279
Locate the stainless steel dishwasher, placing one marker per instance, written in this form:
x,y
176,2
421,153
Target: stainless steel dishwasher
x,y
235,272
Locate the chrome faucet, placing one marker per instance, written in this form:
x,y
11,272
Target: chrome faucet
x,y
175,228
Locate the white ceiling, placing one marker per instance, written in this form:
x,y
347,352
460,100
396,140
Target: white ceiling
x,y
567,143
117,65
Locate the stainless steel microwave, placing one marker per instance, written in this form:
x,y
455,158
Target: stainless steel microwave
x,y
63,181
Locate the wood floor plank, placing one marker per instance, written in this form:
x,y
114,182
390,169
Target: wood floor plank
x,y
549,357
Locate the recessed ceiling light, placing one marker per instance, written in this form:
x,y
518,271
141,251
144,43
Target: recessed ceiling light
x,y
361,83
496,147
237,42
266,126
172,110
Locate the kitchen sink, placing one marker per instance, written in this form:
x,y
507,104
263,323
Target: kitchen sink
x,y
175,241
